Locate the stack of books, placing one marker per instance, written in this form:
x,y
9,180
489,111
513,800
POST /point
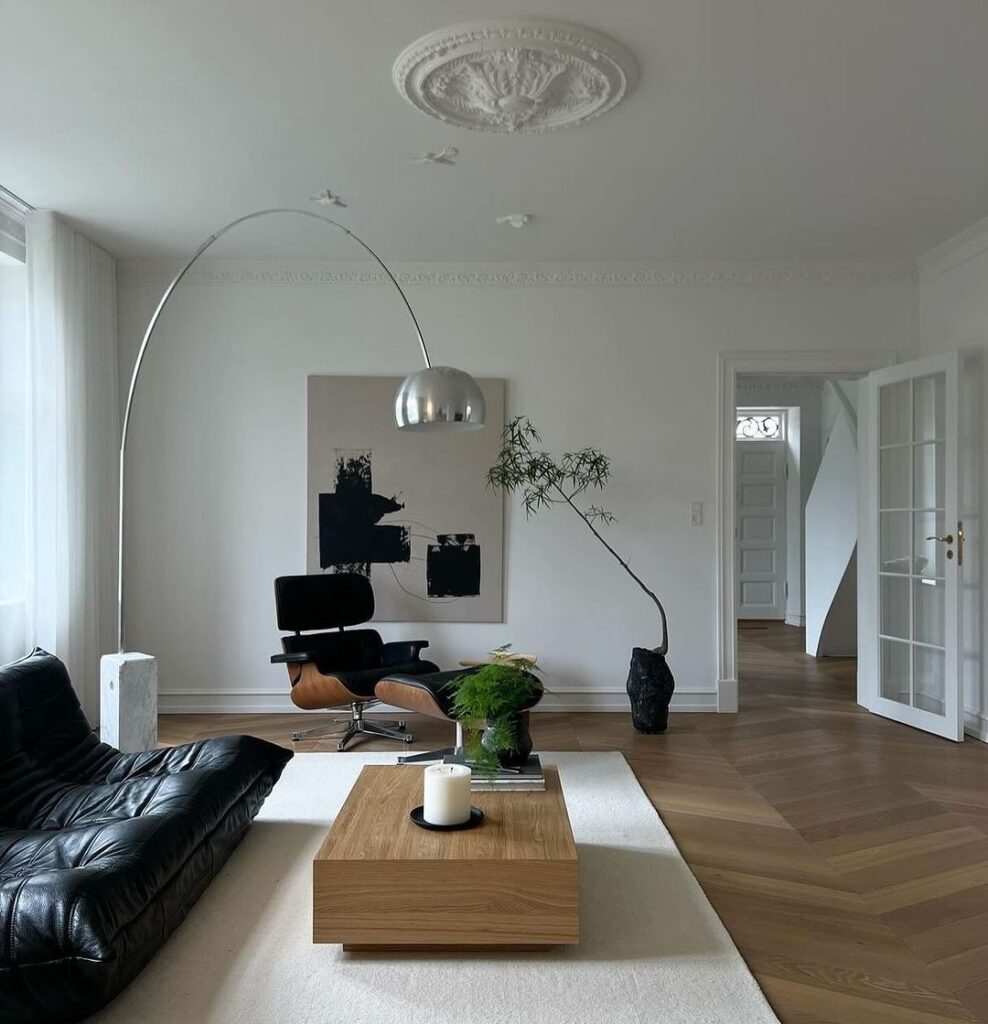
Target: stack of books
x,y
529,778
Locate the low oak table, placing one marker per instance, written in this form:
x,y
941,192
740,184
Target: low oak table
x,y
379,882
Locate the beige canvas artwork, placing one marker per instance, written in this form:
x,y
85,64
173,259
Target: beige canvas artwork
x,y
411,510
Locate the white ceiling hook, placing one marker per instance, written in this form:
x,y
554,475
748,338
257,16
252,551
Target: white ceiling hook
x,y
326,198
516,220
446,156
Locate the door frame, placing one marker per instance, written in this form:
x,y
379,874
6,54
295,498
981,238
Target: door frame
x,y
729,366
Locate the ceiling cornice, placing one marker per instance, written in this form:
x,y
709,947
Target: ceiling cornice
x,y
965,245
515,275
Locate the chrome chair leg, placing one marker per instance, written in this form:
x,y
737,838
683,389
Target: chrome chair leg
x,y
337,728
356,725
362,727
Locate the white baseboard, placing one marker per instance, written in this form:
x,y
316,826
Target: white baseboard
x,y
795,620
272,702
976,725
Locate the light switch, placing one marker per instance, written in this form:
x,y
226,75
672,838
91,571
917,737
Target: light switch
x,y
696,513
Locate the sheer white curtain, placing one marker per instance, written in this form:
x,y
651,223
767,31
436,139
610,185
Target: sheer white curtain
x,y
72,444
13,454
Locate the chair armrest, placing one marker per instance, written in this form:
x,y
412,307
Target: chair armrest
x,y
399,651
292,658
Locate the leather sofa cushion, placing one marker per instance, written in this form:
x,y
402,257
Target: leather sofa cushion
x,y
102,853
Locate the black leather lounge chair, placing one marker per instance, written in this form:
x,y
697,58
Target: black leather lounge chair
x,y
102,854
333,668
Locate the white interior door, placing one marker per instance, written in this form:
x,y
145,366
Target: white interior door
x,y
761,523
910,639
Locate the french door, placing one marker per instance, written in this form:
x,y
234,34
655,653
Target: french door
x,y
910,628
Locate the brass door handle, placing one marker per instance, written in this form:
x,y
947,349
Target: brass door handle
x,y
948,539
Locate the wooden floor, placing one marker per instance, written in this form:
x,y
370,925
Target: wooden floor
x,y
847,855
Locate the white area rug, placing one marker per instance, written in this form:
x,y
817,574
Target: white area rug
x,y
653,950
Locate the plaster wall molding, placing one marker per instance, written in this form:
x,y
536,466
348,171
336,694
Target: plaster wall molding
x,y
494,275
967,245
12,231
807,384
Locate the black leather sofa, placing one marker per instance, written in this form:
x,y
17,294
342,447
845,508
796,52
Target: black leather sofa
x,y
102,854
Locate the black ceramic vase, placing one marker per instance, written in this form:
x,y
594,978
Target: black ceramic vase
x,y
650,687
523,743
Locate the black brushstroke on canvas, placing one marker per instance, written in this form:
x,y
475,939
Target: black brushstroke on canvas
x,y
453,566
350,538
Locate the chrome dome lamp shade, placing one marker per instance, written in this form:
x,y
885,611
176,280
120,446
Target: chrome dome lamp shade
x,y
439,398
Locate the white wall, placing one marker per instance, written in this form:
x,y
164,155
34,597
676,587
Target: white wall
x,y
832,407
953,314
217,491
832,529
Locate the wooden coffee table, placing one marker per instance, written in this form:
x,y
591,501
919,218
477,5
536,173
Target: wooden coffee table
x,y
380,882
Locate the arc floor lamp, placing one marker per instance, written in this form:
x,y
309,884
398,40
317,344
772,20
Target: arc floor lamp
x,y
435,398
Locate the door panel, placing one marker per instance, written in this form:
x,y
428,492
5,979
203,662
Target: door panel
x,y
761,519
911,642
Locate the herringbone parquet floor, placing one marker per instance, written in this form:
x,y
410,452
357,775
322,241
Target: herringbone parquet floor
x,y
847,855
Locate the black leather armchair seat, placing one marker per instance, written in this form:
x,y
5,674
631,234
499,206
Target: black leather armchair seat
x,y
102,853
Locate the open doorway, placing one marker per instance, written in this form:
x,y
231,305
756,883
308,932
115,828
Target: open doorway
x,y
769,366
796,504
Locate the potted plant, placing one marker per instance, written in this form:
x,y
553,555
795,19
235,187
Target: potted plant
x,y
492,704
544,482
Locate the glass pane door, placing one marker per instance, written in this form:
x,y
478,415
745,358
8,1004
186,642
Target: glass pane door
x,y
917,545
911,516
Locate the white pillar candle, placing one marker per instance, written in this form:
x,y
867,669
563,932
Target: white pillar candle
x,y
447,794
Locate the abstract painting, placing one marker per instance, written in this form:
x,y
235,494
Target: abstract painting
x,y
410,511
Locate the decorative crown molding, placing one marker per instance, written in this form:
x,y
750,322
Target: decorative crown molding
x,y
966,245
748,383
514,75
494,275
12,233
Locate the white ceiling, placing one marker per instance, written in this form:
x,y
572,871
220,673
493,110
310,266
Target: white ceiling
x,y
760,129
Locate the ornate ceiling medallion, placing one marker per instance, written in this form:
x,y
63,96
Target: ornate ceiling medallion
x,y
514,75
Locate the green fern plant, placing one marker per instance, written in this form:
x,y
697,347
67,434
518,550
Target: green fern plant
x,y
490,698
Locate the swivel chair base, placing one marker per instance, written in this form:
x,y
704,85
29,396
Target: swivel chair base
x,y
356,725
438,755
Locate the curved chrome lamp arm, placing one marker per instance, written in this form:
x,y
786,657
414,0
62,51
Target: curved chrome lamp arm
x,y
142,351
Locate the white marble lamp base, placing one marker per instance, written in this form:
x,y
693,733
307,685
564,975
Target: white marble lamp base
x,y
128,685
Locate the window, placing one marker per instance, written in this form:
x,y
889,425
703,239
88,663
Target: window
x,y
760,425
13,439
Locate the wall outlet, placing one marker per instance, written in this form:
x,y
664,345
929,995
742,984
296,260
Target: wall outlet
x,y
696,513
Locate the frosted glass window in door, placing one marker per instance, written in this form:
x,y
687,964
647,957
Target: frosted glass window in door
x,y
929,553
895,607
928,475
928,606
895,530
896,413
895,471
928,409
929,679
895,671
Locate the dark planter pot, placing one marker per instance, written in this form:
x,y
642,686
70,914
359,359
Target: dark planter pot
x,y
650,687
523,743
